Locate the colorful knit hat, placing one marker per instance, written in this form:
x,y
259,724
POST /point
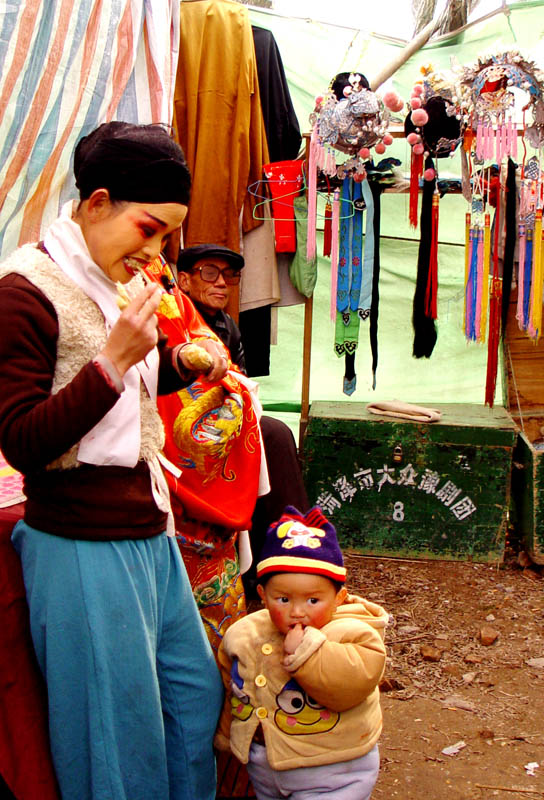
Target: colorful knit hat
x,y
302,543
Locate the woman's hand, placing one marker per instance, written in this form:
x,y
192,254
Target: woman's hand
x,y
135,333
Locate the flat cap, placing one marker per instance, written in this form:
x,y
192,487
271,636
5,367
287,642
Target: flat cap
x,y
190,255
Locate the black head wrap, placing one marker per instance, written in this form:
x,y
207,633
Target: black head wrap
x,y
135,163
340,81
442,133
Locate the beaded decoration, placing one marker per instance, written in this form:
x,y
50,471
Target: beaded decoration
x,y
352,119
487,99
487,102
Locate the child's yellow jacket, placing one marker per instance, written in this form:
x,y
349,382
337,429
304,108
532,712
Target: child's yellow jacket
x,y
321,709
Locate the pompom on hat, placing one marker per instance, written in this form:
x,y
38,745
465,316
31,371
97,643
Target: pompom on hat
x,y
302,543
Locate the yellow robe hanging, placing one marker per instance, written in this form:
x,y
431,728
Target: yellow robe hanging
x,y
218,120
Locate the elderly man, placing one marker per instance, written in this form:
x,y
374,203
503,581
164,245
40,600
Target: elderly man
x,y
207,273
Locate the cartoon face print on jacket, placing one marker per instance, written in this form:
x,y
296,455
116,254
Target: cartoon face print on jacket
x,y
298,714
240,707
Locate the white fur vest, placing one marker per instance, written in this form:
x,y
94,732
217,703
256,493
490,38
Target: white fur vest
x,y
82,335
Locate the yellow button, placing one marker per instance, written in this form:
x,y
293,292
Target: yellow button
x,y
267,649
260,680
261,712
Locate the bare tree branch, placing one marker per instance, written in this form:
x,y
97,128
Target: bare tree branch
x,y
258,3
454,15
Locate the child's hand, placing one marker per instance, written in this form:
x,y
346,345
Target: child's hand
x,y
293,638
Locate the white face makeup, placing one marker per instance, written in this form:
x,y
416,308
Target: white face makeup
x,y
123,237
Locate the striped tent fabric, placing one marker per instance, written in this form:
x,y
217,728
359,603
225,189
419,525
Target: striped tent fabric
x,y
66,66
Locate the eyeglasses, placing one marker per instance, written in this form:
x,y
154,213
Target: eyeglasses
x,y
210,273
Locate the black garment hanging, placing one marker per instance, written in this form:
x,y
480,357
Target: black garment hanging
x,y
280,120
255,327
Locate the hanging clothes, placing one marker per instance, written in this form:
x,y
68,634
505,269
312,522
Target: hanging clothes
x,y
356,297
255,327
280,120
218,120
348,281
302,270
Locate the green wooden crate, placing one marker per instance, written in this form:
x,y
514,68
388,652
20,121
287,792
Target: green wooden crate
x,y
528,496
524,382
401,488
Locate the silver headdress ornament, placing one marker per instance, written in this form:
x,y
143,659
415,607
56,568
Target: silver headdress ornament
x,y
353,119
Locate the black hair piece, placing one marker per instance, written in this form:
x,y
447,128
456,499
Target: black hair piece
x,y
442,133
376,189
340,81
509,242
425,334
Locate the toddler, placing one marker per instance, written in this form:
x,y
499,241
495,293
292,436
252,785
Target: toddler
x,y
303,706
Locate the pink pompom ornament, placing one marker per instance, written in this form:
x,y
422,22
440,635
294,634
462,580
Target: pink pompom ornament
x,y
380,148
413,138
418,89
415,101
419,117
391,101
418,149
364,153
429,174
387,139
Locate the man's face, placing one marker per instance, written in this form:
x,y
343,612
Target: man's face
x,y
212,293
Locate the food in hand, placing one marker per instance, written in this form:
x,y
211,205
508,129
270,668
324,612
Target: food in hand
x,y
196,357
123,298
134,266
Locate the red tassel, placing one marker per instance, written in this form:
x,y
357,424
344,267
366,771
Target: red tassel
x,y
416,170
495,308
327,230
432,279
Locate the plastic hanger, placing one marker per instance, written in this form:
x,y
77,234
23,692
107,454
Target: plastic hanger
x,y
253,190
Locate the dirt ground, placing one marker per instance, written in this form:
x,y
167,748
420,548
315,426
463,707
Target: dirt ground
x,y
463,695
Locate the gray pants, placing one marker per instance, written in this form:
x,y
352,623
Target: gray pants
x,y
345,780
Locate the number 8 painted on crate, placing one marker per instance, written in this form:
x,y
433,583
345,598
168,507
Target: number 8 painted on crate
x,y
398,512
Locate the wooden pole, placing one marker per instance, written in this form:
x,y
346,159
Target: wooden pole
x,y
412,47
307,344
306,361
